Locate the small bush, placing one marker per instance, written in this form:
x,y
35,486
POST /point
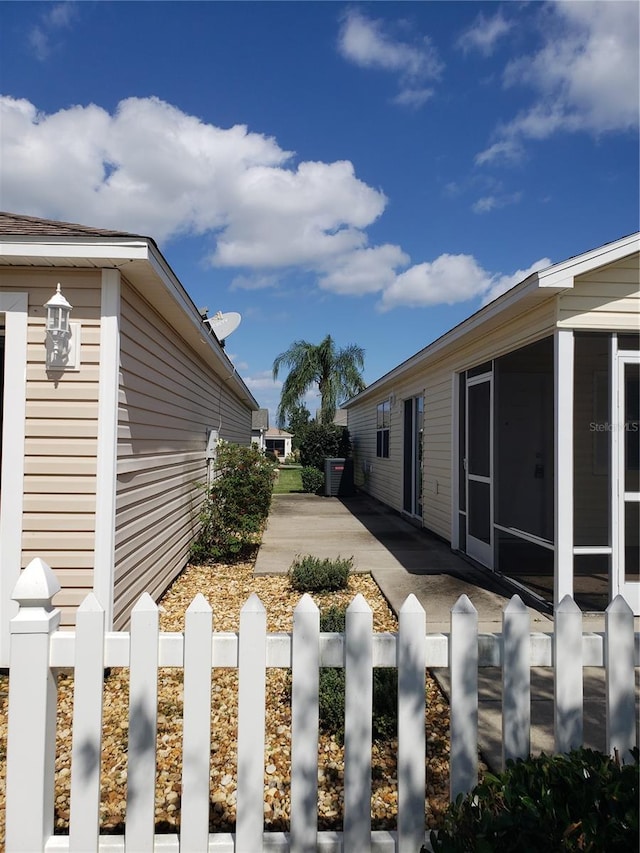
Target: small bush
x,y
312,480
272,457
313,574
583,801
324,441
236,504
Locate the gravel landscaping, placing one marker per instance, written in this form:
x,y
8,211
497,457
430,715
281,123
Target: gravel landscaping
x,y
227,587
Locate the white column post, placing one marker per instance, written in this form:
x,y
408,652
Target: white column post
x,y
15,309
31,743
106,464
563,428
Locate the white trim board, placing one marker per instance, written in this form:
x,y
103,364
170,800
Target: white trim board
x,y
15,308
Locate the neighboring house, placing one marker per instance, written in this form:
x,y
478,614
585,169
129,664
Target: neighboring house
x,y
105,453
259,427
515,435
278,441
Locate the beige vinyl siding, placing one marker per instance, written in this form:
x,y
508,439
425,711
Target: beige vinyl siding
x,y
61,436
434,378
606,299
436,500
168,397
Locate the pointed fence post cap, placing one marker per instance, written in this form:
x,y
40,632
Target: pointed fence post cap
x,y
464,605
619,605
36,585
515,605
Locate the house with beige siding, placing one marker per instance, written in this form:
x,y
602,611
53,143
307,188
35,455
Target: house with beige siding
x,y
104,449
515,436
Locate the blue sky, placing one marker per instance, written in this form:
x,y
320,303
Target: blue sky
x,y
373,171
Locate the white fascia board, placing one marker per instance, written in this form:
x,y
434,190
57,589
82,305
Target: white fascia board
x,y
556,277
186,305
75,248
483,315
562,275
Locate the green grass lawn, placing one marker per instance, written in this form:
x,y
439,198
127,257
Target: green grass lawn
x,y
289,480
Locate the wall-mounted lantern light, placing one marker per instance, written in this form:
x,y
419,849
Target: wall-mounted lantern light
x,y
58,331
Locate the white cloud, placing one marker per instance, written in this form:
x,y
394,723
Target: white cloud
x,y
364,42
365,270
302,217
150,168
447,280
58,16
585,76
484,34
503,283
253,282
494,202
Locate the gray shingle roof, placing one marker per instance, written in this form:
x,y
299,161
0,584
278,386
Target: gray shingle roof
x,y
31,226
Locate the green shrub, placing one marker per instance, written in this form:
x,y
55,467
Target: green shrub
x,y
313,574
324,441
312,480
236,504
332,690
583,801
270,456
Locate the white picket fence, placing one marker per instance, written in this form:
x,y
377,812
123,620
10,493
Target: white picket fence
x,y
38,649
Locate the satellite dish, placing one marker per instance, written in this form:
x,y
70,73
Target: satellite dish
x,y
223,324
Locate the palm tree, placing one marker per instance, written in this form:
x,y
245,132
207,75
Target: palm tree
x,y
337,372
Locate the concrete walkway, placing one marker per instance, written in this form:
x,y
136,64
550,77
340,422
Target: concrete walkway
x,y
404,559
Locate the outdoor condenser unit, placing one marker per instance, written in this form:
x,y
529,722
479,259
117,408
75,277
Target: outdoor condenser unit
x,y
338,477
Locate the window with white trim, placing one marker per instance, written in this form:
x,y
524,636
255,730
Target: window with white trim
x,y
382,429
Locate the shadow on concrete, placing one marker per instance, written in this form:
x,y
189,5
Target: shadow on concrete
x,y
423,553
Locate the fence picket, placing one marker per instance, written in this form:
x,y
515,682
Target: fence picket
x,y
357,729
568,682
305,665
143,718
411,720
516,681
620,676
196,727
463,650
251,726
84,822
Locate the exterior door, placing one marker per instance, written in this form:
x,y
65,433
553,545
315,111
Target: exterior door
x,y
628,430
413,416
479,468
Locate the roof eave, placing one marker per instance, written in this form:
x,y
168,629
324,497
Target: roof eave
x,y
119,252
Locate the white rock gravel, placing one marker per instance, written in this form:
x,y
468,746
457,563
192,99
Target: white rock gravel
x,y
227,587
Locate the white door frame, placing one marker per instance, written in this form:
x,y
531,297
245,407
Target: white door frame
x,y
630,590
477,548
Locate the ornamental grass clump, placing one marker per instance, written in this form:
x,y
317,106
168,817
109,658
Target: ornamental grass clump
x,y
313,574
